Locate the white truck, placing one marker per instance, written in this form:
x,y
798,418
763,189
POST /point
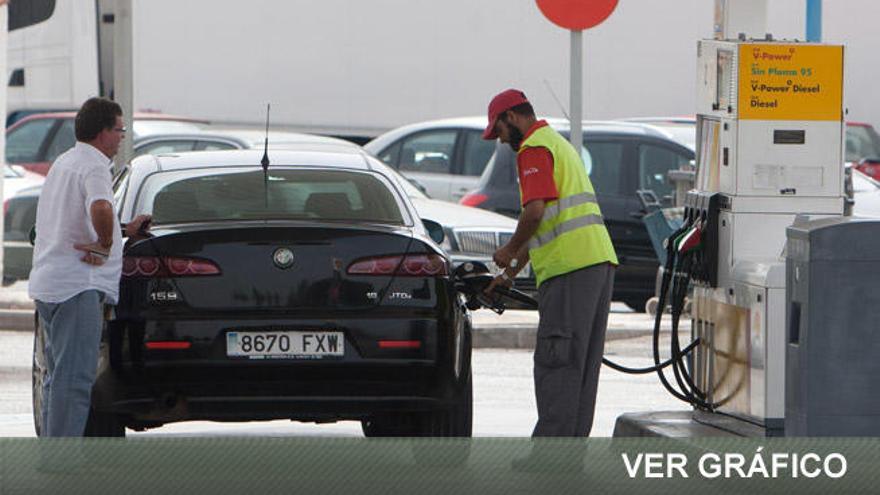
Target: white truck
x,y
350,67
359,67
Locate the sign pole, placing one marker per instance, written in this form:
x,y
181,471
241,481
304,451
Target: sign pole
x,y
576,90
576,16
4,19
123,76
814,21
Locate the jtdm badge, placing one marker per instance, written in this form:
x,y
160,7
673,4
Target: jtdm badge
x,y
283,258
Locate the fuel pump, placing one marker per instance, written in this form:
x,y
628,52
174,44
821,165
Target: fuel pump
x,y
769,147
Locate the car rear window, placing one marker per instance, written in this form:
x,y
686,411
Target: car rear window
x,y
200,195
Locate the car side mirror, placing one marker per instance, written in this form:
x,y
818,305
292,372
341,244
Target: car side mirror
x,y
435,231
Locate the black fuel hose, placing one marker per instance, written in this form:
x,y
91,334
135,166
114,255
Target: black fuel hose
x,y
650,369
680,269
669,275
531,303
694,265
681,276
682,375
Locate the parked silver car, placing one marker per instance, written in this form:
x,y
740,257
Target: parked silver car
x,y
866,195
446,156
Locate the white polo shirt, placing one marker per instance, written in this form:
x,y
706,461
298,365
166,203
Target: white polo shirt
x,y
77,178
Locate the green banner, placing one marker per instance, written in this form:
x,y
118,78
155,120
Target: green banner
x,y
251,465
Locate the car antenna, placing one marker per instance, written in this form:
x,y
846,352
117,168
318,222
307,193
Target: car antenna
x,y
265,161
553,93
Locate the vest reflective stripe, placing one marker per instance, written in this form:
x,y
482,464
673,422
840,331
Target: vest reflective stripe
x,y
572,234
553,209
564,228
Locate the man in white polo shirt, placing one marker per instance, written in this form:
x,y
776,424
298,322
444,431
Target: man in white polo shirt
x,y
77,264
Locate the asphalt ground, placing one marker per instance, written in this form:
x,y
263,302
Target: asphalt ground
x,y
504,398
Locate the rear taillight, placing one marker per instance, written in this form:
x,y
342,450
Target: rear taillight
x,y
166,267
473,199
413,265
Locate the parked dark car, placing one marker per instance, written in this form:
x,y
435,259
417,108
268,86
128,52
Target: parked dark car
x,y
621,158
313,294
446,156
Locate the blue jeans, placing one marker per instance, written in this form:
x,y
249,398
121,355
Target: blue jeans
x,y
73,336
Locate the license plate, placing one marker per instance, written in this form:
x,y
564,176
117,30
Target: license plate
x,y
285,345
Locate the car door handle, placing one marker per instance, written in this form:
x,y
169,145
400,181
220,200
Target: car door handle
x,y
638,214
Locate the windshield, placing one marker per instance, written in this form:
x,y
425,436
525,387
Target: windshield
x,y
199,195
861,142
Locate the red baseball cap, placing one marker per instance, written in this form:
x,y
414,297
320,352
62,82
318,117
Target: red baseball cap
x,y
502,102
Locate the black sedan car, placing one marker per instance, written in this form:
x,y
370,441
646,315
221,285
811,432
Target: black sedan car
x,y
311,292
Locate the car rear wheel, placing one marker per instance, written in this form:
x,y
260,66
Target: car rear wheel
x,y
455,421
104,424
388,425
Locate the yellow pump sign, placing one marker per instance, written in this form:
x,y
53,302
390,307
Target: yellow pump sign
x,y
790,82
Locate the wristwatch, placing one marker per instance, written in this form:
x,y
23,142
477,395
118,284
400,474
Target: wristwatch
x,y
99,254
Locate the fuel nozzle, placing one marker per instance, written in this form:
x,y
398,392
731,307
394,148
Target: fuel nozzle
x,y
471,279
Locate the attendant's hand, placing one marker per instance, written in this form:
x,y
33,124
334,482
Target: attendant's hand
x,y
500,280
504,256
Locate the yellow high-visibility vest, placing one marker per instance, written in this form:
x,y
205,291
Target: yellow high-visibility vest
x,y
572,234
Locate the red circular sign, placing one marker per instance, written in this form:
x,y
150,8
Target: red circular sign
x,y
577,15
